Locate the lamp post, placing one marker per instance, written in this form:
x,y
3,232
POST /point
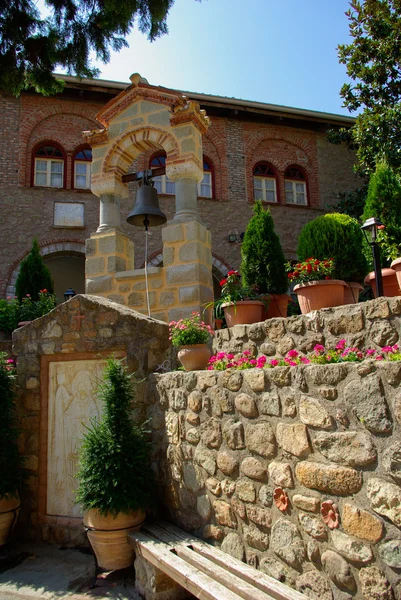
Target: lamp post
x,y
69,294
373,225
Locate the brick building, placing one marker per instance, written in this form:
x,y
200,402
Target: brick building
x,y
251,150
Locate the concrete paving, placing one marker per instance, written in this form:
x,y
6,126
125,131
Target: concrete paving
x,y
45,572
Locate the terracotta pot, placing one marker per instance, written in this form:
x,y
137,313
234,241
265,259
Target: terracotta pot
x,y
390,283
396,266
244,312
314,295
108,537
218,323
9,509
195,357
351,292
277,306
23,323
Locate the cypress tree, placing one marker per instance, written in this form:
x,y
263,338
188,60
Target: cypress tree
x,y
263,262
33,275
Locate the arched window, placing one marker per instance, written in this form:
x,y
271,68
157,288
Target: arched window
x,y
295,186
205,187
49,166
82,163
264,183
163,184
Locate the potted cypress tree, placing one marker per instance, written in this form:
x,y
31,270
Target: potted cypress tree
x,y
114,477
384,202
11,463
339,237
263,262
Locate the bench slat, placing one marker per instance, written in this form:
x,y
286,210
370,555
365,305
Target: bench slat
x,y
160,555
223,576
263,582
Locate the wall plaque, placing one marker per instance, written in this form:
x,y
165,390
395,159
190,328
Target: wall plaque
x,y
69,214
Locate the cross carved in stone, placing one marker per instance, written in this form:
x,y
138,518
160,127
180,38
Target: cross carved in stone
x,y
78,319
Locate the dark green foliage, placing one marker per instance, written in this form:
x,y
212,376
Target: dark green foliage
x,y
351,203
33,46
263,262
33,275
373,62
336,236
384,202
114,472
11,471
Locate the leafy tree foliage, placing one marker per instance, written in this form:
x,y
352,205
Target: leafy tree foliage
x,y
33,45
114,470
373,62
11,463
263,262
33,275
351,203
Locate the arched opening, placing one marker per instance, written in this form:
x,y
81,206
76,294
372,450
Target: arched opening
x,y
67,272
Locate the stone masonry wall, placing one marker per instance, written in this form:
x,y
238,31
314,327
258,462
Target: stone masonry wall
x,y
227,442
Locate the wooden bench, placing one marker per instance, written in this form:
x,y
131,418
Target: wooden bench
x,y
201,569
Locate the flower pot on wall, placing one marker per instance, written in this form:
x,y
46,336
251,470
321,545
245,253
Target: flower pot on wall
x,y
194,357
108,537
351,292
314,295
9,509
390,283
396,266
243,312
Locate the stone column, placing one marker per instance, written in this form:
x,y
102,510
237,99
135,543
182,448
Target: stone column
x,y
186,199
109,213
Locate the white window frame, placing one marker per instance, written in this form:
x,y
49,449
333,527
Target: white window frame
x,y
295,193
88,163
161,182
48,171
263,180
209,184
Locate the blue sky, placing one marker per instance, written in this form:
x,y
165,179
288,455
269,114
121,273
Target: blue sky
x,y
274,51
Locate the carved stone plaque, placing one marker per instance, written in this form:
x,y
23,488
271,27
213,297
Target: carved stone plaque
x,y
69,214
72,405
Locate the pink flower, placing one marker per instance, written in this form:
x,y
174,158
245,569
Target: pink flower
x,y
319,348
341,345
292,354
370,352
274,362
379,358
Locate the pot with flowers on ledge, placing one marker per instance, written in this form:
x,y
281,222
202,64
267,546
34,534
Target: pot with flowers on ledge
x,y
191,335
316,289
241,304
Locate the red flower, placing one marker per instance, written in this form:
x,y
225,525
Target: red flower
x,y
232,273
223,282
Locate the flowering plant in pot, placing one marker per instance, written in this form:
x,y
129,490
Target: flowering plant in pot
x,y
11,463
316,289
115,486
191,335
263,262
242,304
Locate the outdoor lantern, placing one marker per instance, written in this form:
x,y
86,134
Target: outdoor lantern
x,y
69,294
372,226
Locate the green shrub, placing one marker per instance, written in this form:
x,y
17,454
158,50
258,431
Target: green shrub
x,y
12,311
263,262
336,236
114,471
33,275
384,202
11,463
9,314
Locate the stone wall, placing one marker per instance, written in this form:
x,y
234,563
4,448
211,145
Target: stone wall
x,y
83,329
228,445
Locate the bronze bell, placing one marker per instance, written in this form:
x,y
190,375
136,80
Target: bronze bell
x,y
146,210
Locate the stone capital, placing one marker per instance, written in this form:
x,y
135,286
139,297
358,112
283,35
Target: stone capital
x,y
108,183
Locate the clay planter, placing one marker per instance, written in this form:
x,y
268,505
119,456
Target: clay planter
x,y
314,295
195,357
390,282
351,292
244,312
396,266
218,323
108,537
9,509
277,306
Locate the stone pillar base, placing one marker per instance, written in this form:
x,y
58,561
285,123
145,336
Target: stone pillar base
x,y
153,584
187,260
107,253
